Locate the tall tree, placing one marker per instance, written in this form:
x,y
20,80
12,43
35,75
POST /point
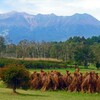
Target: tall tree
x,y
84,56
96,50
2,45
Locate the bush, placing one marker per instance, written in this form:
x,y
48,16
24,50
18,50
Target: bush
x,y
15,77
33,64
97,65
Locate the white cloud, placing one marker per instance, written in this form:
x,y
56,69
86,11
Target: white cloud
x,y
1,11
59,7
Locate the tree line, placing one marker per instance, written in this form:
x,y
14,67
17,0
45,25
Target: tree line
x,y
75,50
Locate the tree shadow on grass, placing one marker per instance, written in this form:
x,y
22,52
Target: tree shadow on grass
x,y
35,95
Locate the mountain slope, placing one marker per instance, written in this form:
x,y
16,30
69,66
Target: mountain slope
x,y
18,26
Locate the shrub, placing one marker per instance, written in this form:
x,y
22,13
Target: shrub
x,y
97,65
15,77
32,64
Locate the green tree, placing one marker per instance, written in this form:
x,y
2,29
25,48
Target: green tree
x,y
97,65
11,50
22,48
15,77
2,45
84,56
96,50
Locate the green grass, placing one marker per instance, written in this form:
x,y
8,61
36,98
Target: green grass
x,y
63,71
6,94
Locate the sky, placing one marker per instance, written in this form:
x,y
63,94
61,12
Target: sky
x,y
58,7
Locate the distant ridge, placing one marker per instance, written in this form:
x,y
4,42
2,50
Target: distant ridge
x,y
47,27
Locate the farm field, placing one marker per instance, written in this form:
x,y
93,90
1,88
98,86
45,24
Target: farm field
x,y
49,50
63,71
37,59
6,94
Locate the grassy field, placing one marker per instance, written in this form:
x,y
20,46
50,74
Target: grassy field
x,y
37,59
6,94
38,95
63,71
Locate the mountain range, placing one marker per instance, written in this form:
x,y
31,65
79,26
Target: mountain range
x,y
17,26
